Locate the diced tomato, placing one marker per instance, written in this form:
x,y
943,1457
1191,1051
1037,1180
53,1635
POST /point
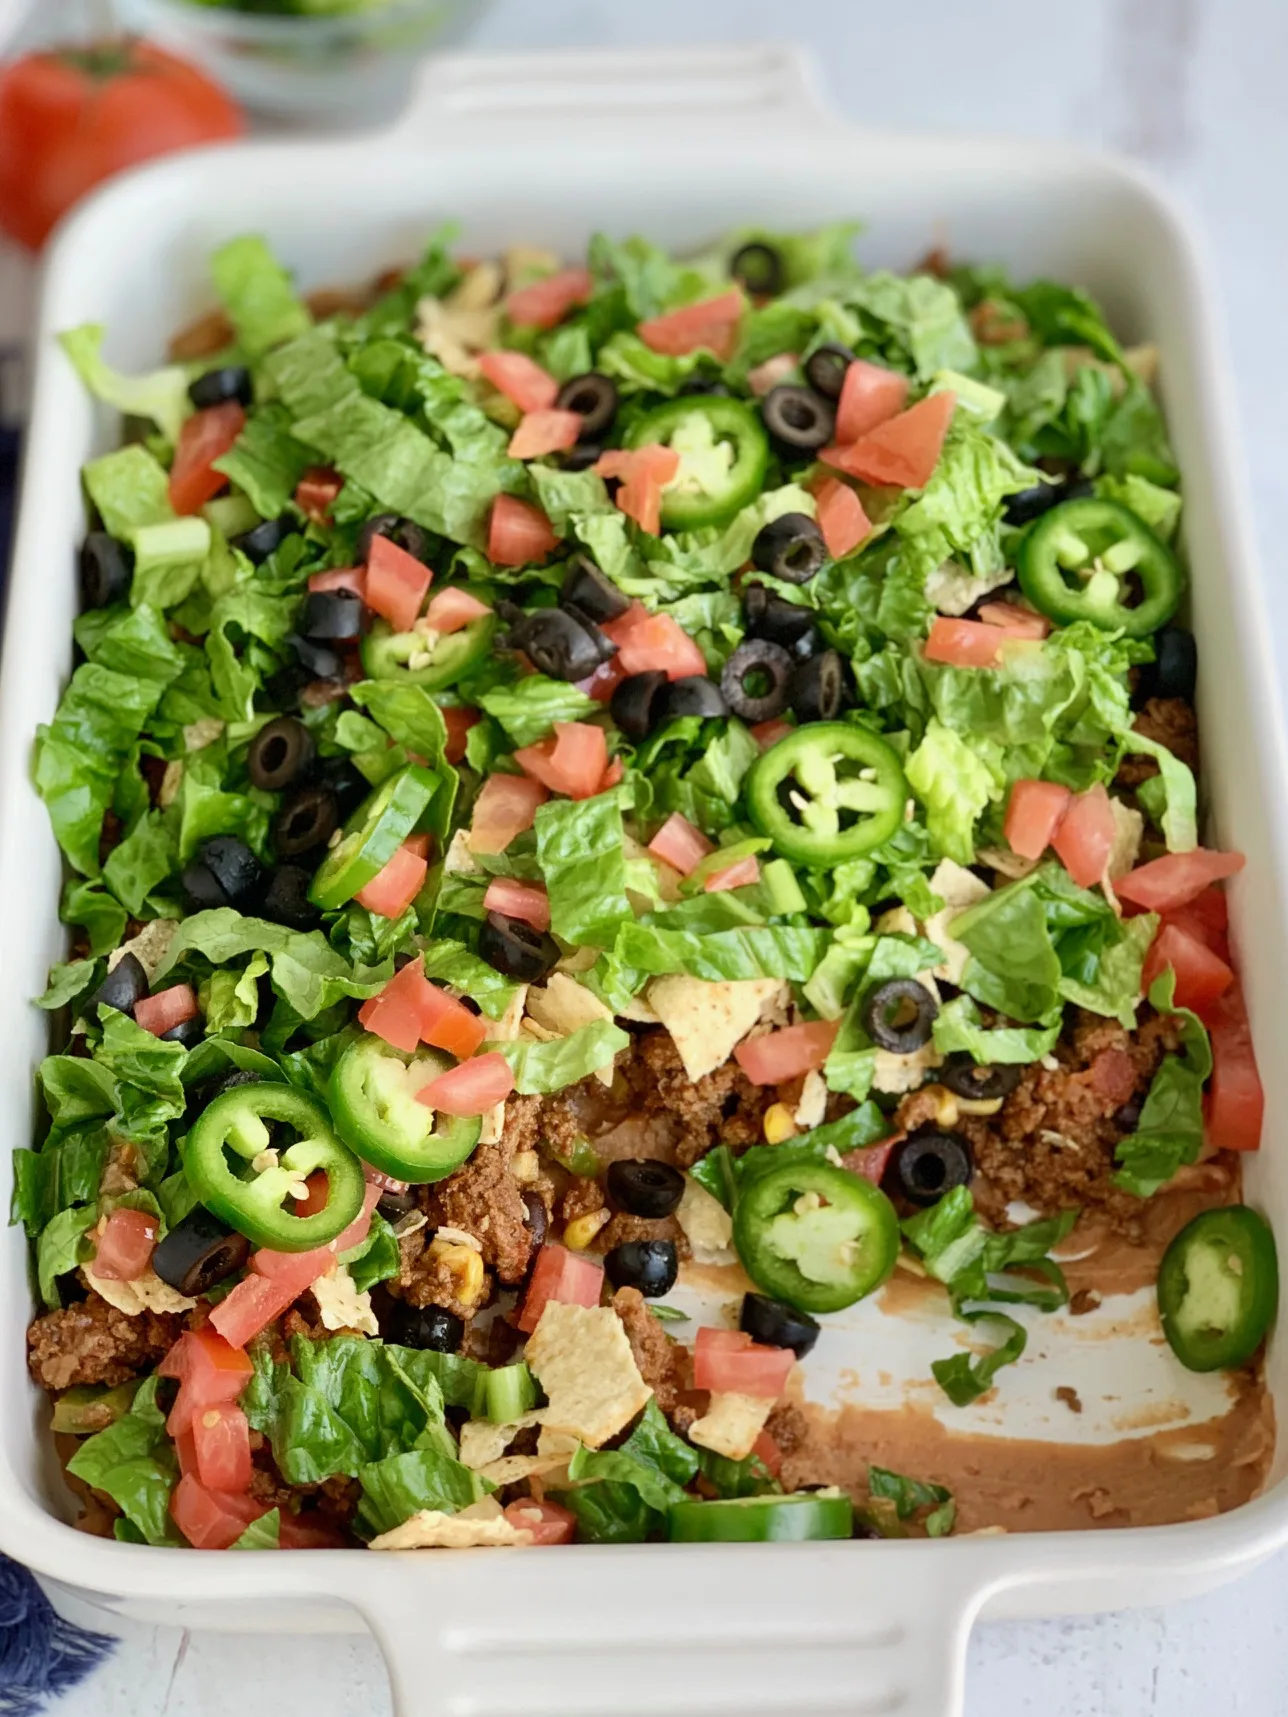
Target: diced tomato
x,y
604,681
646,641
317,492
396,583
1171,881
788,1053
319,1191
419,844
279,1278
210,1369
186,1448
573,762
126,1245
1019,622
458,723
901,452
612,776
165,1010
396,1013
542,432
774,370
713,324
211,1520
546,302
448,1024
222,1439
741,874
1085,836
870,395
1201,975
727,1362
641,471
527,901
352,578
1207,920
546,1521
680,845
558,1274
870,1162
505,807
205,436
768,733
1235,1101
520,379
310,1530
472,1088
841,518
251,1306
518,533
360,1227
766,1451
452,609
1033,815
392,890
963,643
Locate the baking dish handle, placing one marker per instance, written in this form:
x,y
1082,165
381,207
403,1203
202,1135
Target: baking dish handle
x,y
680,85
798,1631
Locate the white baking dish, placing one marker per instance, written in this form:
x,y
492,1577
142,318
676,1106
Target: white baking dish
x,y
679,148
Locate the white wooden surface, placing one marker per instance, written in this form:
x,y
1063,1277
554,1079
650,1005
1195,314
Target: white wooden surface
x,y
1197,89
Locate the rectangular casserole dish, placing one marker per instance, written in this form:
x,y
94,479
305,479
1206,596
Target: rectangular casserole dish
x,y
549,150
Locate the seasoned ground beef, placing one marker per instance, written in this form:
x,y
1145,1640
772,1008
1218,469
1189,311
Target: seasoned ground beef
x,y
622,1229
1171,722
484,1198
94,1343
425,1279
663,1363
582,1197
723,1107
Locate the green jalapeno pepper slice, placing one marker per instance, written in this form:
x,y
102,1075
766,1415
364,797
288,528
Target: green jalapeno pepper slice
x,y
790,1519
723,452
1091,559
816,1236
827,792
1218,1287
220,1152
372,836
376,1112
388,655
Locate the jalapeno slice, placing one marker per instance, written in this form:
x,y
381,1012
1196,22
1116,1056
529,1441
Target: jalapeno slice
x,y
372,836
723,452
390,655
815,1236
233,1135
788,1519
373,1103
1218,1287
827,792
1096,560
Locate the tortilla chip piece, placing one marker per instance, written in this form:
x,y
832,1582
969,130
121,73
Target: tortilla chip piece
x,y
707,1020
483,1442
707,1225
731,1424
341,1304
562,1006
551,1443
511,1468
430,1529
146,1293
958,888
584,1363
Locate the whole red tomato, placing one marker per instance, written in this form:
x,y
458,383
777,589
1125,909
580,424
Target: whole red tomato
x,y
70,119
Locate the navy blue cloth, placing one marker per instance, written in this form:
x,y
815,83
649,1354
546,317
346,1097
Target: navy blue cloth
x,y
41,1655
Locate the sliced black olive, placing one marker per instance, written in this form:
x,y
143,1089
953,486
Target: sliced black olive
x,y
649,1265
393,1206
638,702
124,985
964,1076
558,644
202,891
900,1015
536,1217
776,1325
582,456
926,1165
265,538
349,785
334,615
642,1186
594,397
286,899
703,385
432,1327
235,868
317,660
217,387
799,419
602,642
759,268
405,532
820,687
1174,671
757,680
695,694
307,819
825,369
590,592
1029,504
791,547
105,570
515,949
787,623
199,1252
188,1032
279,753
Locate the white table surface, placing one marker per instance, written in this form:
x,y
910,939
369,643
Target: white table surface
x,y
1197,89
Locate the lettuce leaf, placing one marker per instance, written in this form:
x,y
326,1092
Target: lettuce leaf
x,y
306,971
1171,797
773,951
451,962
958,1028
915,322
407,713
397,1487
130,488
266,461
544,1067
256,292
134,1462
955,785
161,395
579,850
1170,1130
529,708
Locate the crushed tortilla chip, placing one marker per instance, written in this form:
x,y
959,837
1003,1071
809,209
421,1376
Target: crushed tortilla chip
x,y
812,1108
707,1020
511,1468
707,1225
584,1363
146,1293
731,1424
562,1006
430,1529
483,1442
342,1305
551,1443
958,888
149,947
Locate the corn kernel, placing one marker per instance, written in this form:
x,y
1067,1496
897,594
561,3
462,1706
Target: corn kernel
x,y
946,1113
979,1105
779,1124
525,1167
465,1266
582,1229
